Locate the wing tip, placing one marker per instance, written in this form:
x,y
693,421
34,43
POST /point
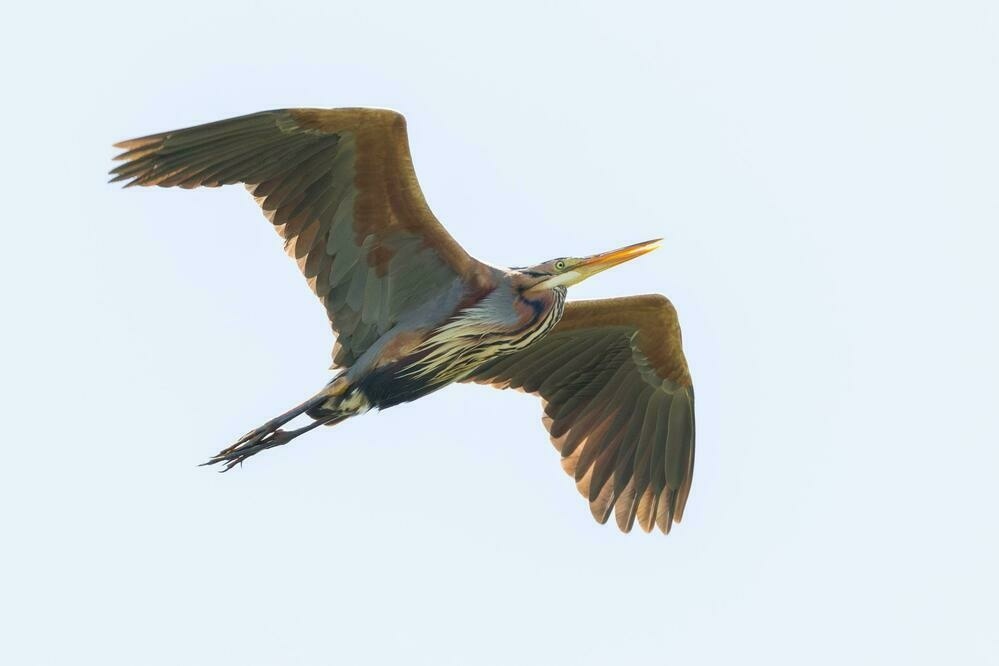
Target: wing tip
x,y
119,178
140,142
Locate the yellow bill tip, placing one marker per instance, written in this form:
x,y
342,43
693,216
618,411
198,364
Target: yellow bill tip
x,y
620,255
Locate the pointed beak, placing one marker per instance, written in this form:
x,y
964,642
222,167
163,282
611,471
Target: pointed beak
x,y
601,262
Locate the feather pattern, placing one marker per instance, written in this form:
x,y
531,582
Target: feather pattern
x,y
618,403
339,187
485,331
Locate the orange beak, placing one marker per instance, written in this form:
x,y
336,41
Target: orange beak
x,y
601,262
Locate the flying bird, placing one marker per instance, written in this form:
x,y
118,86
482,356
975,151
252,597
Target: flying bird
x,y
412,311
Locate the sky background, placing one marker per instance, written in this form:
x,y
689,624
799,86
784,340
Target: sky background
x,y
824,175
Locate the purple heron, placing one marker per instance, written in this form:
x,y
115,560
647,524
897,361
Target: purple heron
x,y
413,312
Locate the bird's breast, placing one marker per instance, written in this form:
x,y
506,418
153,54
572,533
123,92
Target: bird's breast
x,y
499,324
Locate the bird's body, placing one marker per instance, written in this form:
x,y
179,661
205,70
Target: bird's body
x,y
413,312
502,321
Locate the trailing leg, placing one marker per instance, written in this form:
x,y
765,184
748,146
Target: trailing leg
x,y
330,406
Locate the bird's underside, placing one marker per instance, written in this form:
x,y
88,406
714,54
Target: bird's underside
x,y
413,312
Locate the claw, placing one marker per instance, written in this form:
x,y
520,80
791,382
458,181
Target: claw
x,y
262,438
270,434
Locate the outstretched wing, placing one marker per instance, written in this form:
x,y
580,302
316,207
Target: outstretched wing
x,y
339,186
619,405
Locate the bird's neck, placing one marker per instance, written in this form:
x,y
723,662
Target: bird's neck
x,y
532,305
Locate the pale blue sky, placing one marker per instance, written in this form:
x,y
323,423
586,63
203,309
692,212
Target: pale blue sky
x,y
824,175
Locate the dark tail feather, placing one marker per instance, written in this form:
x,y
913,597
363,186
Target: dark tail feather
x,y
270,435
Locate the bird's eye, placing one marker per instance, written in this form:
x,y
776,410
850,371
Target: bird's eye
x,y
560,265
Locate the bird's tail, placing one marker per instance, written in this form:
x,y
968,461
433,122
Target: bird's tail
x,y
335,403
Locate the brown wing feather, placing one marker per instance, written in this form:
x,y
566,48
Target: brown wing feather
x,y
652,315
619,405
340,188
384,161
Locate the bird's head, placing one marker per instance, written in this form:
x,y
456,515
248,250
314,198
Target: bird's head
x,y
567,271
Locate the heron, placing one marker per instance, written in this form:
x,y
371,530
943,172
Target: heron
x,y
413,312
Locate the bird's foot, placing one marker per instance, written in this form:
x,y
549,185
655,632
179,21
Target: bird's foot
x,y
252,443
266,436
270,434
